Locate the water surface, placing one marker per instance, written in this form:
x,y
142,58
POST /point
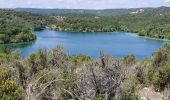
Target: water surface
x,y
118,44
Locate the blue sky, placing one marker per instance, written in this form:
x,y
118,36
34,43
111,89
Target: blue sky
x,y
82,4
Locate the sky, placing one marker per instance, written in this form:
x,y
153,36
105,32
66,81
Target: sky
x,y
83,4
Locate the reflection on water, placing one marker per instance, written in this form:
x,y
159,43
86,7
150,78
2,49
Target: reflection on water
x,y
17,45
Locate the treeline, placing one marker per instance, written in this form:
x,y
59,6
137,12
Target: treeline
x,y
97,12
85,23
53,75
153,24
14,32
16,27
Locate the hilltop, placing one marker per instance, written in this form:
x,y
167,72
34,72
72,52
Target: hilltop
x,y
100,12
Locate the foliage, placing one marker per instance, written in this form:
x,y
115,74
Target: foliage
x,y
151,23
162,56
16,27
162,78
9,90
97,12
51,75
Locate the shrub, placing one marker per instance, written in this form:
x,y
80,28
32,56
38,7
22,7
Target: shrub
x,y
162,78
9,89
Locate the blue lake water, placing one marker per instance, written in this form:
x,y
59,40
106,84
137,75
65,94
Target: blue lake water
x,y
117,44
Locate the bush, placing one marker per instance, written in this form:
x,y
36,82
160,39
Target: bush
x,y
130,59
162,78
9,89
130,97
161,57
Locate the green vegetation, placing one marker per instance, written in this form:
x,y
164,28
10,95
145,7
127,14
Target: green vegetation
x,y
85,23
16,27
13,32
51,75
151,23
154,25
54,12
97,12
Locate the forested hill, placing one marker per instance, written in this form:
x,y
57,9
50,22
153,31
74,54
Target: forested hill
x,y
29,19
15,27
104,12
153,23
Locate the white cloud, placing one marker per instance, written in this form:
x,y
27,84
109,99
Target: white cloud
x,y
167,1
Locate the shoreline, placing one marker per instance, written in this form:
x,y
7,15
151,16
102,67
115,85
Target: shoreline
x,y
133,34
129,33
146,37
13,44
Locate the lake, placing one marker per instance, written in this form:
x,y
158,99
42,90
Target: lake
x,y
117,44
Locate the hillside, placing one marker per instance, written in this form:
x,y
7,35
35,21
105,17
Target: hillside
x,y
153,23
28,19
150,22
102,12
16,27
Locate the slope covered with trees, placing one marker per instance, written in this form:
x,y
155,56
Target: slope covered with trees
x,y
14,32
97,12
153,23
85,23
53,75
16,27
150,22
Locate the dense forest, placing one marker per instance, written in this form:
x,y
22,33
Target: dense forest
x,y
150,24
85,23
54,12
16,27
55,75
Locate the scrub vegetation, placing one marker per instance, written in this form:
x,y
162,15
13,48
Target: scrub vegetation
x,y
53,75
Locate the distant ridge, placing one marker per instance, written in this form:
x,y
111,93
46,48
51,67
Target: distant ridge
x,y
104,12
